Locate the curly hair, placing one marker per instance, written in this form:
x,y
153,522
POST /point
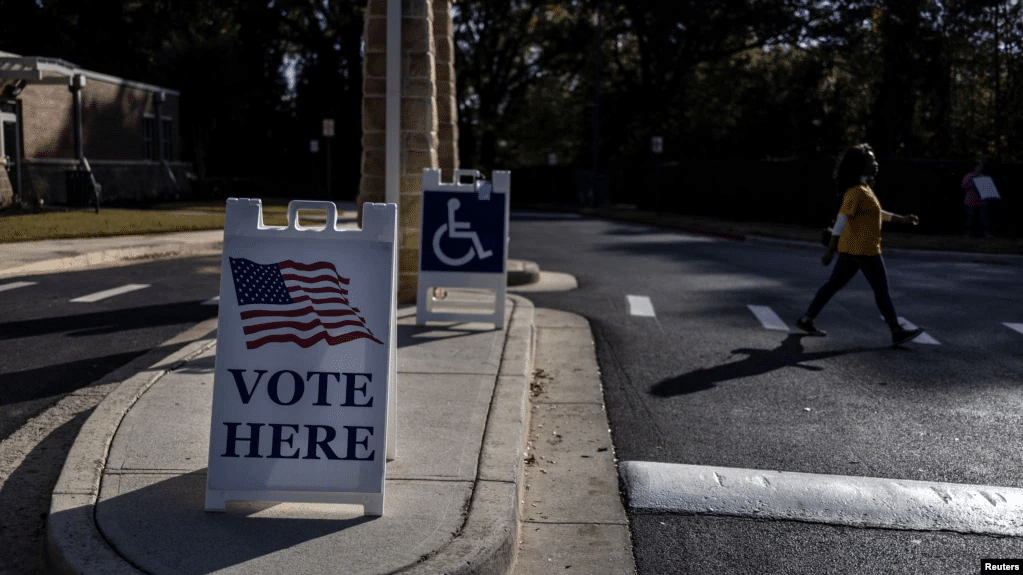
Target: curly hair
x,y
851,165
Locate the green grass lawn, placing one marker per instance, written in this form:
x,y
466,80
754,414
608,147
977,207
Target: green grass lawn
x,y
160,218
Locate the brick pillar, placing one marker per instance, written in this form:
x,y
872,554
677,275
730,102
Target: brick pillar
x,y
418,124
374,105
447,106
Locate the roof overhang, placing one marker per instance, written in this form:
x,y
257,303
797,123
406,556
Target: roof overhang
x,y
36,70
18,71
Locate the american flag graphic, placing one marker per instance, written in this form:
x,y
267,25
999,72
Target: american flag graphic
x,y
294,302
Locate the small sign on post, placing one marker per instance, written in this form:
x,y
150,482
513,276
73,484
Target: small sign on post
x,y
303,396
464,244
986,188
328,135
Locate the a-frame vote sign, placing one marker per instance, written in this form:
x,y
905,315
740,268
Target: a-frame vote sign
x,y
305,359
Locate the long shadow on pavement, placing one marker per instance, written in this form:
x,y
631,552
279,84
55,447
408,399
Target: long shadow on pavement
x,y
757,362
25,497
110,321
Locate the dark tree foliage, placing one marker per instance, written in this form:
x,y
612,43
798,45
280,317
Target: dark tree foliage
x,y
724,78
744,78
507,54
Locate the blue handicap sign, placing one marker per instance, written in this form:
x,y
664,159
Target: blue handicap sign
x,y
462,232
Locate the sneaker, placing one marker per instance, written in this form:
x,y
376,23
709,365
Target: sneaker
x,y
806,324
902,335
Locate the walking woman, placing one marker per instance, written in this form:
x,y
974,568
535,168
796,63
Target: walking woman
x,y
856,236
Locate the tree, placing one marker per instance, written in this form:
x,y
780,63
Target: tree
x,y
674,38
506,54
323,40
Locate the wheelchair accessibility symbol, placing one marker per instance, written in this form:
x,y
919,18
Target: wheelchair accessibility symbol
x,y
458,230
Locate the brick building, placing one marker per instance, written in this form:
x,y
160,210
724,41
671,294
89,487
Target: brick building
x,y
65,128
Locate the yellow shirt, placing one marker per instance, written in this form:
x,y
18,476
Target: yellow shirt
x,y
862,235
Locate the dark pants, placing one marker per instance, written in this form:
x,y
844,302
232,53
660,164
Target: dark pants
x,y
977,215
845,268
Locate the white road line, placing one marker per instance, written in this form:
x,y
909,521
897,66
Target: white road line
x,y
1014,326
640,305
922,338
212,301
768,318
16,285
109,293
831,499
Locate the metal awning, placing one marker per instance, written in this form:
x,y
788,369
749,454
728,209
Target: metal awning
x,y
18,71
35,70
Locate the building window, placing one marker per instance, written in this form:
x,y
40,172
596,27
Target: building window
x,y
167,125
148,136
150,148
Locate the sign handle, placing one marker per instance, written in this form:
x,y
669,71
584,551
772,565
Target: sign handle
x,y
295,205
474,173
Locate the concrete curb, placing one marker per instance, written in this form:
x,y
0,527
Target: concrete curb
x,y
521,272
864,502
486,543
74,545
489,538
112,258
1004,259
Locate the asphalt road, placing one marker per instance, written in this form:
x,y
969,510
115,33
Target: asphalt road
x,y
693,376
53,345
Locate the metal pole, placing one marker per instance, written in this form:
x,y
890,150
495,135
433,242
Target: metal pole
x,y
158,99
17,150
330,196
657,181
597,66
657,146
77,83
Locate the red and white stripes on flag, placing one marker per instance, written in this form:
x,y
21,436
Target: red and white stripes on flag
x,y
291,302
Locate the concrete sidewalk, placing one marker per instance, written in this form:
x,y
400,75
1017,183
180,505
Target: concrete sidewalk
x,y
68,255
130,498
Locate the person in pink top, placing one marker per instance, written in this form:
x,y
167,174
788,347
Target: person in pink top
x,y
976,208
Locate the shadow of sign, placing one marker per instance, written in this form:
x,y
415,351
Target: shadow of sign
x,y
159,509
110,321
410,335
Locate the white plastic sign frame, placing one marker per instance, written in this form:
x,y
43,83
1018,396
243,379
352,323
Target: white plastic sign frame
x,y
303,388
452,198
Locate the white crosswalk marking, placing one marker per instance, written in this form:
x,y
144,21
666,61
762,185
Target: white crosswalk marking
x,y
922,338
768,318
94,297
640,305
16,285
1014,326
